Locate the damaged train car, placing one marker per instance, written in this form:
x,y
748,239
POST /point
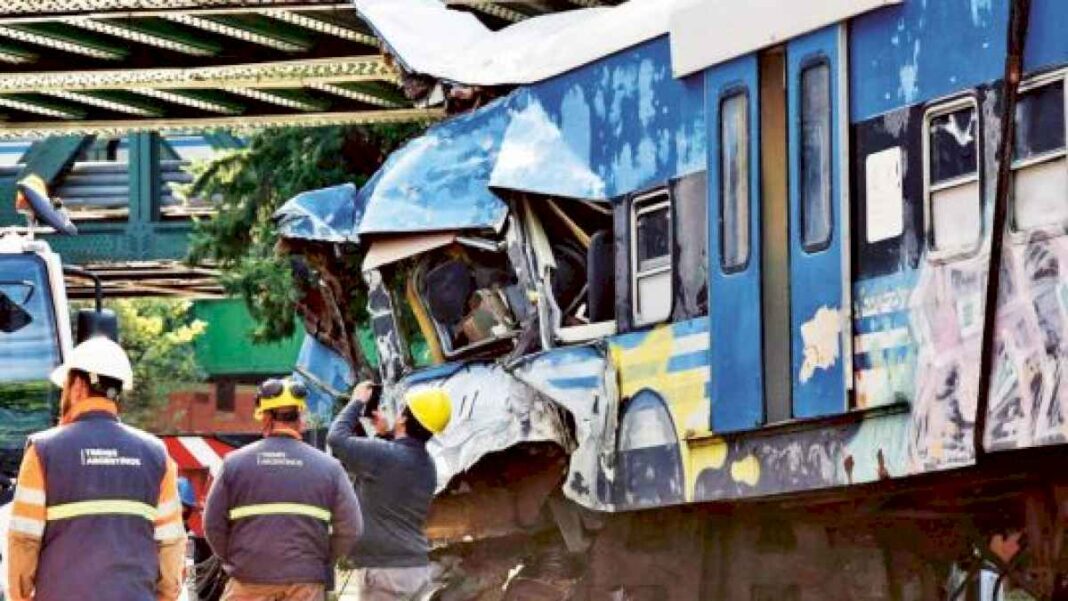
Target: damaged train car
x,y
707,252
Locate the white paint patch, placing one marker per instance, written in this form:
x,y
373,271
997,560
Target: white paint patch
x,y
909,77
978,6
886,201
691,343
885,339
820,336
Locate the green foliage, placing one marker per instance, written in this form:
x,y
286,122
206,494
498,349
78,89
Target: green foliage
x,y
249,184
158,336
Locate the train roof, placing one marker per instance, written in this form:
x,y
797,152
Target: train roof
x,y
429,39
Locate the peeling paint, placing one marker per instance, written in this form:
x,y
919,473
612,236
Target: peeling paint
x,y
822,343
746,470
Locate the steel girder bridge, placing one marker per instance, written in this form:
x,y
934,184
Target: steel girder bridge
x,y
96,97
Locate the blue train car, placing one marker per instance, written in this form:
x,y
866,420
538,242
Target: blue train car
x,y
724,251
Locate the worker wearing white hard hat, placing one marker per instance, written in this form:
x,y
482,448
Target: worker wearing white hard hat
x,y
96,514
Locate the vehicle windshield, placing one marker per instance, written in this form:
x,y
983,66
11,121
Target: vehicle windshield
x,y
29,350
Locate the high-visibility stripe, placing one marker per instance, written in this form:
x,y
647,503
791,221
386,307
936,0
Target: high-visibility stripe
x,y
30,496
28,526
170,531
101,507
248,511
171,506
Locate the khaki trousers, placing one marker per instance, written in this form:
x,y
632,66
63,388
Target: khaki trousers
x,y
393,584
239,591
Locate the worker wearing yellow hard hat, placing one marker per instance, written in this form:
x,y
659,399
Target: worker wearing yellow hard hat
x,y
104,520
280,511
395,480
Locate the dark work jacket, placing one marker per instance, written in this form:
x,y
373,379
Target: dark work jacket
x,y
395,481
280,512
99,557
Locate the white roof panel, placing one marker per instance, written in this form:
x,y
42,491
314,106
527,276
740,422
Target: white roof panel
x,y
748,26
430,39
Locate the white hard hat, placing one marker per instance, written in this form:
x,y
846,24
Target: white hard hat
x,y
101,356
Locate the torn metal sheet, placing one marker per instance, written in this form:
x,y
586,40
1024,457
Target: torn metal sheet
x,y
581,380
429,39
437,182
491,411
390,250
325,215
326,374
536,157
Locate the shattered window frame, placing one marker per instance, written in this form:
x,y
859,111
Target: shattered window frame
x,y
1044,158
642,206
968,182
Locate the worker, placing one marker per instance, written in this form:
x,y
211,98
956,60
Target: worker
x,y
280,511
96,514
395,481
188,498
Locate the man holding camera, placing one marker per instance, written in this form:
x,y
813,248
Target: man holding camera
x,y
395,480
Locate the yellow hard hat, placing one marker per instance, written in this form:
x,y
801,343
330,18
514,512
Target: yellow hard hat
x,y
431,407
275,394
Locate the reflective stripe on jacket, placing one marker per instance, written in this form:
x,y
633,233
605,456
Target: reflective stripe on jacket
x,y
101,496
280,511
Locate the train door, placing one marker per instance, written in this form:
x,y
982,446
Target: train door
x,y
737,382
817,223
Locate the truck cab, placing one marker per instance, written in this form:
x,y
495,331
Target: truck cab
x,y
35,334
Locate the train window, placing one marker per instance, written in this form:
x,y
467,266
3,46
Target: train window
x,y
816,156
734,180
1040,161
651,257
954,210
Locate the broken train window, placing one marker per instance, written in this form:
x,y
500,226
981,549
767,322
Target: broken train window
x,y
573,246
954,207
467,291
1040,161
651,257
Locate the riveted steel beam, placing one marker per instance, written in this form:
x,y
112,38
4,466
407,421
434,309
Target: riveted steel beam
x,y
236,123
321,26
66,7
188,100
57,42
286,100
215,26
105,103
129,32
37,108
357,95
285,74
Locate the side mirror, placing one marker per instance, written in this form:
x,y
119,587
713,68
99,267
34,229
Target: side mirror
x,y
92,322
12,317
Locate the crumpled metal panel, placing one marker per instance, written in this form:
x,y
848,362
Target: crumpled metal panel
x,y
491,411
582,381
536,157
325,215
450,45
438,180
327,376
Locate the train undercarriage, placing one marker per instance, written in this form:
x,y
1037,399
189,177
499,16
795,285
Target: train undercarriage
x,y
984,533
